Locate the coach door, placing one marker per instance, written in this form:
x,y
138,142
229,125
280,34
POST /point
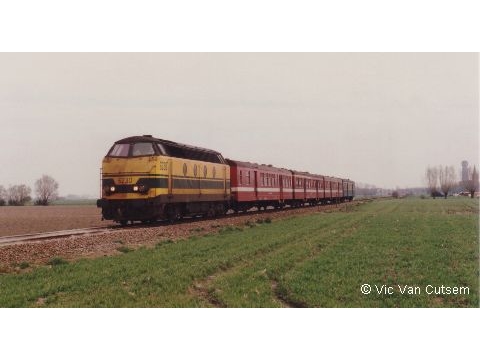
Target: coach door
x,y
305,189
255,177
280,183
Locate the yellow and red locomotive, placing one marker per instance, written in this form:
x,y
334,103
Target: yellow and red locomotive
x,y
145,179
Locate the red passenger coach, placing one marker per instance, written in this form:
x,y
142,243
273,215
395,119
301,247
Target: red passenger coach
x,y
305,188
254,185
333,188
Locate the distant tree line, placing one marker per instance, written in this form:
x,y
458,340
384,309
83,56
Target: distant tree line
x,y
471,184
442,180
46,190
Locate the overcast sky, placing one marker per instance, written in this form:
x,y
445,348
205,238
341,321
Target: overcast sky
x,y
374,118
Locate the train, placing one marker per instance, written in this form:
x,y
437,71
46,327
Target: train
x,y
146,179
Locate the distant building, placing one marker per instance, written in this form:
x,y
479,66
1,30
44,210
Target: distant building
x,y
465,171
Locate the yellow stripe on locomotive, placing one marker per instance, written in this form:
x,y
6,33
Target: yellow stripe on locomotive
x,y
166,176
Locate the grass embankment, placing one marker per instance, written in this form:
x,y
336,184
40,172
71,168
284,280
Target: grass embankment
x,y
316,260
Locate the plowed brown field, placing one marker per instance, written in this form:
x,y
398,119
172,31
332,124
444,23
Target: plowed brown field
x,y
16,220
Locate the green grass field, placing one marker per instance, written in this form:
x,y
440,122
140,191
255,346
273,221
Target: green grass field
x,y
319,260
74,202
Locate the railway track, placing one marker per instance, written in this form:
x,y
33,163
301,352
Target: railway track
x,y
7,240
25,238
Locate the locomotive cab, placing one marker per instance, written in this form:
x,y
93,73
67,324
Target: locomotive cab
x,y
145,179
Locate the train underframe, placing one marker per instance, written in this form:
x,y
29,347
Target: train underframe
x,y
153,209
294,203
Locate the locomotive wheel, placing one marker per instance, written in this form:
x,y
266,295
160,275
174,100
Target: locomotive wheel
x,y
173,213
211,212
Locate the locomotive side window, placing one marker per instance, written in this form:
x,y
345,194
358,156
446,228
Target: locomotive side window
x,y
161,149
143,149
119,150
240,177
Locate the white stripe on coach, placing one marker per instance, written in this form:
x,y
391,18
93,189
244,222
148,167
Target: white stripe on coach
x,y
251,189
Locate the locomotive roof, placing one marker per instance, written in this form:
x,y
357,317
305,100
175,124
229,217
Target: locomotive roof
x,y
150,138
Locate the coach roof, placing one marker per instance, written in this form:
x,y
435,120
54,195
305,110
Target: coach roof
x,y
257,166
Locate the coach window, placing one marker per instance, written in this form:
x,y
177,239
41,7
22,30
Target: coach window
x,y
248,177
240,176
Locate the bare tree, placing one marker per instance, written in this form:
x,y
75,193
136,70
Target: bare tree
x,y
3,196
46,190
18,194
431,176
471,185
447,179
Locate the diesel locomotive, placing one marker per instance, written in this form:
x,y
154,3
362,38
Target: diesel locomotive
x,y
145,179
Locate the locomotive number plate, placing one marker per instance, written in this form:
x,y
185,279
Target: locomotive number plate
x,y
125,180
163,166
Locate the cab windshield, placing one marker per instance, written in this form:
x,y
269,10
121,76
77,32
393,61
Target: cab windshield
x,y
137,149
143,149
119,150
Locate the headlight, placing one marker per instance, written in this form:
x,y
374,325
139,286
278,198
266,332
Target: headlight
x,y
135,188
112,188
